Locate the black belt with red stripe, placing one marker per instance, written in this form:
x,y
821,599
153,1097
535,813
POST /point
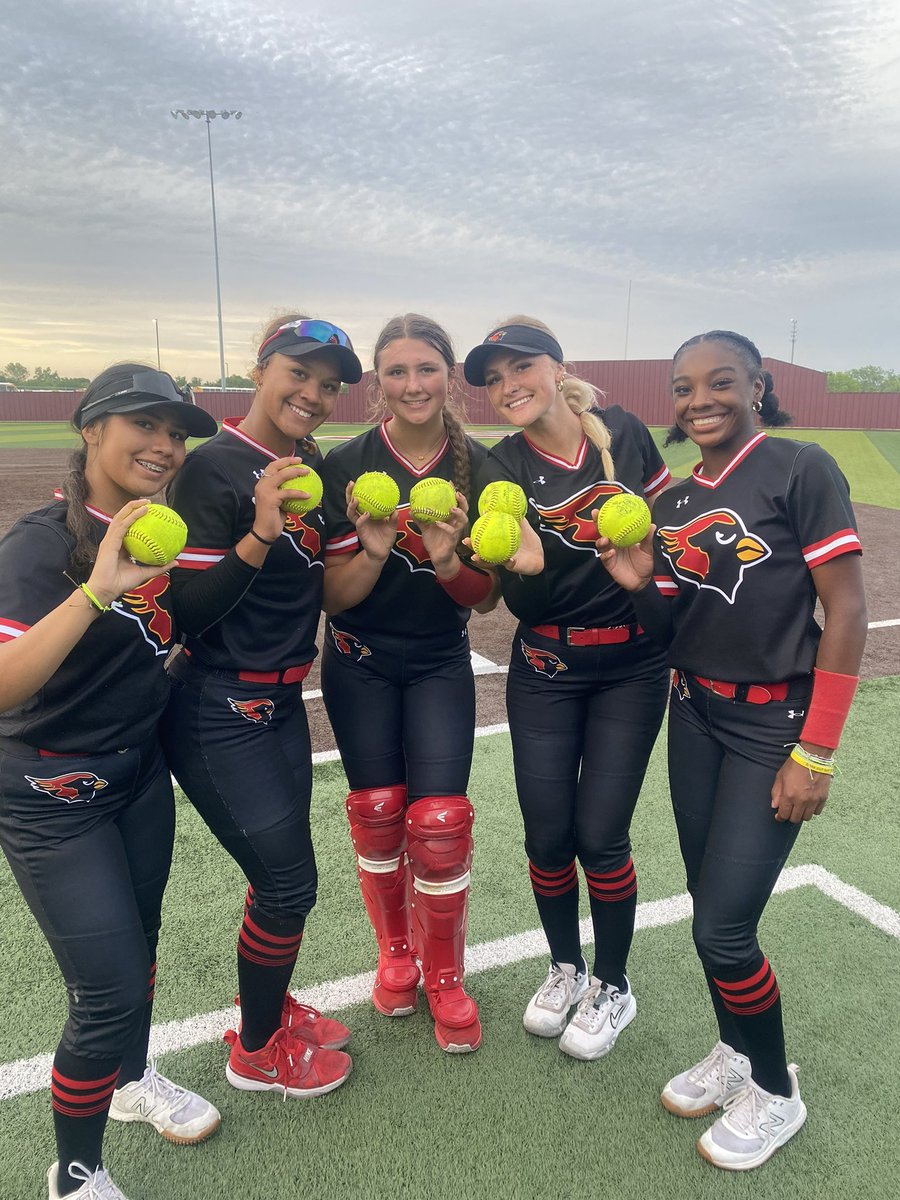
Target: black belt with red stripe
x,y
578,635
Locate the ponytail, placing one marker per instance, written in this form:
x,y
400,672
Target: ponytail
x,y
582,397
78,520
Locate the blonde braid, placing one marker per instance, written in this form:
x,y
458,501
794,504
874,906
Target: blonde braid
x,y
582,397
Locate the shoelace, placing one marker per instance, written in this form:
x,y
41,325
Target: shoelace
x,y
746,1110
164,1089
712,1068
284,1047
99,1185
594,1002
554,991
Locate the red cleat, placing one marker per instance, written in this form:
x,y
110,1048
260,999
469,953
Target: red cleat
x,y
287,1065
309,1025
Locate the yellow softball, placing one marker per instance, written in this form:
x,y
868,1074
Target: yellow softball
x,y
377,494
624,519
503,496
311,483
431,500
495,537
157,537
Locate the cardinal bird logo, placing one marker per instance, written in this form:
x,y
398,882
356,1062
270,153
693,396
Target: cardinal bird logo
x,y
305,538
542,661
409,544
148,606
78,787
680,685
347,644
713,551
571,520
258,711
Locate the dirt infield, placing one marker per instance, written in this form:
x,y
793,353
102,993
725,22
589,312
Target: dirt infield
x,y
27,479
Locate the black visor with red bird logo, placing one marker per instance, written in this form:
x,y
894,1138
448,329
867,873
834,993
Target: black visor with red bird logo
x,y
521,339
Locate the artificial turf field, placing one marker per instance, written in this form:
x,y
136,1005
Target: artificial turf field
x,y
517,1119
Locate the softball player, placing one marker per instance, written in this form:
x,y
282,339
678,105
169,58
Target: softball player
x,y
397,680
86,806
247,596
744,548
586,687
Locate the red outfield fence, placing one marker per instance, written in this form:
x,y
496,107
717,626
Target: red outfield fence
x,y
642,387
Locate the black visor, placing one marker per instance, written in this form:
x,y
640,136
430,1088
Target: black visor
x,y
521,339
149,390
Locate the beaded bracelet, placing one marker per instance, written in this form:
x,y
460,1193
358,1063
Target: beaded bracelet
x,y
812,762
93,599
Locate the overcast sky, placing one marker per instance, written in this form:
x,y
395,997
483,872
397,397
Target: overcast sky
x,y
737,163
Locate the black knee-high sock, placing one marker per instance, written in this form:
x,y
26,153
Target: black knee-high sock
x,y
81,1091
267,951
752,998
134,1061
556,897
613,897
728,1027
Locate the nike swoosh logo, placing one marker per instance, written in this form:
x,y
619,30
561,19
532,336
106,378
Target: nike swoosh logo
x,y
614,1016
270,1074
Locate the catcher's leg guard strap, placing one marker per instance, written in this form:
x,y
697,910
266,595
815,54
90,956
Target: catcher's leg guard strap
x,y
377,827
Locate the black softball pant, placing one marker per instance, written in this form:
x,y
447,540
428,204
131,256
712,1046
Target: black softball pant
x,y
241,753
89,841
402,709
723,759
583,721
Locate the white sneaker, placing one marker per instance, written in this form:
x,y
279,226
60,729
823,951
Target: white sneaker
x,y
753,1126
707,1086
97,1184
179,1115
602,1014
547,1013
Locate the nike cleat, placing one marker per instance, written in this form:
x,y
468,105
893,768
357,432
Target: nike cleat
x,y
286,1064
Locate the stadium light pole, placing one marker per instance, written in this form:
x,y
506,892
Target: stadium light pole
x,y
793,335
208,115
156,327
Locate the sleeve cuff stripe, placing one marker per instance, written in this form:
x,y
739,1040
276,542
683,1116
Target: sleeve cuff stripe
x,y
840,543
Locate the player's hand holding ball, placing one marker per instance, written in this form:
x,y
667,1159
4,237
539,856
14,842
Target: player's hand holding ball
x,y
116,570
310,483
626,540
269,498
376,534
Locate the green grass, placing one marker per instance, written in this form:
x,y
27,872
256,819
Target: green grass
x,y
518,1119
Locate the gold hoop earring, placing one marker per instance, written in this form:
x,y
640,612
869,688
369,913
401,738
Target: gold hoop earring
x,y
561,383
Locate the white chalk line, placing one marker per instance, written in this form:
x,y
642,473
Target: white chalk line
x,y
28,1075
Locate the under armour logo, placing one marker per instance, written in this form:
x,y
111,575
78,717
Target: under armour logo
x,y
678,503
540,479
796,712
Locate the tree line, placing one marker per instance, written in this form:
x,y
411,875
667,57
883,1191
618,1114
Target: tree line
x,y
45,379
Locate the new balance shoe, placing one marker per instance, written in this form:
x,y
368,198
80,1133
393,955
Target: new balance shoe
x,y
708,1085
753,1126
96,1185
547,1013
602,1013
307,1023
286,1064
179,1115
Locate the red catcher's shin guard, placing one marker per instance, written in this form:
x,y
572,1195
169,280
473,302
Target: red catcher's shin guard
x,y
440,854
378,832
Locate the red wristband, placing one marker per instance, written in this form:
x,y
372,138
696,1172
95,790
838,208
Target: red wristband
x,y
828,708
468,587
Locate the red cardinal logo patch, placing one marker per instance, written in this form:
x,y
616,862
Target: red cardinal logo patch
x,y
148,605
305,539
571,520
78,787
409,544
258,711
347,644
713,551
542,661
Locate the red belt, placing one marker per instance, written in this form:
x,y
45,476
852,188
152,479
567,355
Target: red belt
x,y
288,675
752,693
577,635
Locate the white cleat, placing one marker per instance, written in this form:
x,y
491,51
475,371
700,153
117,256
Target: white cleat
x,y
179,1115
753,1126
96,1185
707,1086
602,1014
547,1013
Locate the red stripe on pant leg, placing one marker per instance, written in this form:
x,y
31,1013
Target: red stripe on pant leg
x,y
612,885
553,883
151,988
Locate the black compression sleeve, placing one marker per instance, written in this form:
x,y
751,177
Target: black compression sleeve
x,y
201,598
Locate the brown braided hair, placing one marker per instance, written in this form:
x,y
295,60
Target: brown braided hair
x,y
424,329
